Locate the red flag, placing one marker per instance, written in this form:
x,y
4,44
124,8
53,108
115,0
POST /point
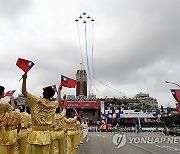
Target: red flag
x,y
53,87
178,107
176,94
68,82
10,93
24,64
79,116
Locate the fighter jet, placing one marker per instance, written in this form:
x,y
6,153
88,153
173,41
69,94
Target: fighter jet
x,y
76,20
84,22
84,13
88,17
92,20
80,17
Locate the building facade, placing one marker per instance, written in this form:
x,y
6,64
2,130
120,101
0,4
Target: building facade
x,y
129,110
140,101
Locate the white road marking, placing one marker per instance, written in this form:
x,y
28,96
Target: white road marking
x,y
87,139
168,148
144,149
157,146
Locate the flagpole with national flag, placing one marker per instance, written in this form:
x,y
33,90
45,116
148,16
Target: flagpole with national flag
x,y
68,82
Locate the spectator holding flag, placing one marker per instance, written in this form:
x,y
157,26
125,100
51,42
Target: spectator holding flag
x,y
42,114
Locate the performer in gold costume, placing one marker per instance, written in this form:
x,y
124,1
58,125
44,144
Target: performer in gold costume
x,y
42,115
25,123
8,126
71,132
77,132
59,129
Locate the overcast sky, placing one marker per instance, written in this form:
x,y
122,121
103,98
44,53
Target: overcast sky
x,y
136,45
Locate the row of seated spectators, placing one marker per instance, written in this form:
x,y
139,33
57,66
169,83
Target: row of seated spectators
x,y
124,129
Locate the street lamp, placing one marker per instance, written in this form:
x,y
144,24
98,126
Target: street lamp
x,y
172,83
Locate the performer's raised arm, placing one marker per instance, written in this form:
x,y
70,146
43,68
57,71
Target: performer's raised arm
x,y
65,102
63,113
75,112
59,95
23,90
12,102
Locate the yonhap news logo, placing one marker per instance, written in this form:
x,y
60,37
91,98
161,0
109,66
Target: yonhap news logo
x,y
119,140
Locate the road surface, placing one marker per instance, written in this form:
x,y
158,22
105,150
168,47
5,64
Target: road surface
x,y
101,143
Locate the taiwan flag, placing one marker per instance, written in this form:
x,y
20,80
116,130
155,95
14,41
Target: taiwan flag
x,y
9,93
24,64
53,87
68,82
176,94
178,107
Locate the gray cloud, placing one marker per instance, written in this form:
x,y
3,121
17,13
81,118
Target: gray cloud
x,y
10,8
136,45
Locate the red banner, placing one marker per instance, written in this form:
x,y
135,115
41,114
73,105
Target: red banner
x,y
82,105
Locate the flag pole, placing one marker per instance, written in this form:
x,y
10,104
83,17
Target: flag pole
x,y
20,79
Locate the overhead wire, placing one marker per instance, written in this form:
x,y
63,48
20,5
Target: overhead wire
x,y
107,85
97,90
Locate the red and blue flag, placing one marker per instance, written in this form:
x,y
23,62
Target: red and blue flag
x,y
9,93
68,82
24,64
176,94
178,107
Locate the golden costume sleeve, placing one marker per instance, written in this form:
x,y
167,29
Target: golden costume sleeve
x,y
63,113
31,99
